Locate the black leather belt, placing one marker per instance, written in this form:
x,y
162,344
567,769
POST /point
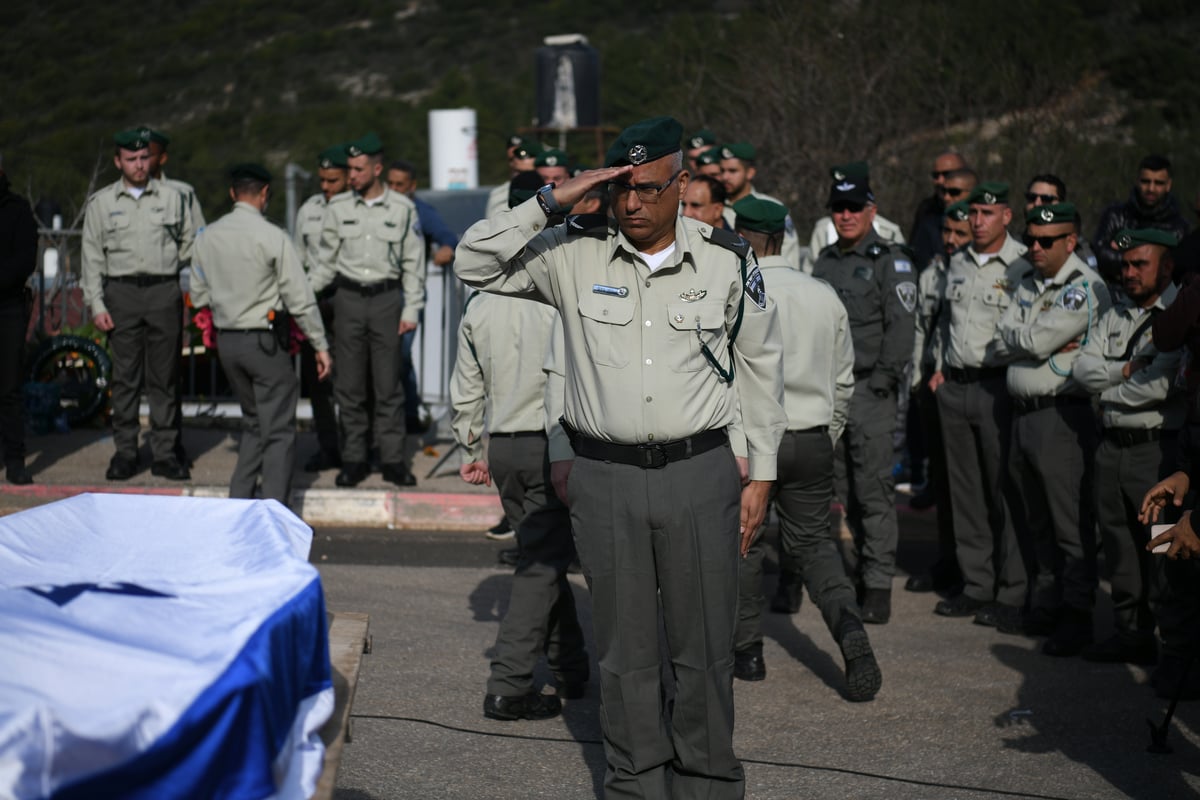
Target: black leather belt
x,y
1026,405
817,429
972,374
142,279
1129,437
244,330
368,289
652,455
517,434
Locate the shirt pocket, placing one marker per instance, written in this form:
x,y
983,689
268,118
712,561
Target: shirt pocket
x,y
997,299
119,236
955,292
605,322
389,241
683,352
353,236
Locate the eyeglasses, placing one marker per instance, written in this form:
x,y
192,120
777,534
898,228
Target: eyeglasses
x,y
646,192
951,191
842,207
1044,242
940,173
1033,197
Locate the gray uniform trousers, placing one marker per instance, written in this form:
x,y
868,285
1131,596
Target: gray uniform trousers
x,y
264,381
146,341
866,484
976,423
1124,473
541,608
803,492
367,348
1051,460
666,535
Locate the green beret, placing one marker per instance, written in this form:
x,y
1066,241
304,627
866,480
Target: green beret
x,y
989,193
854,171
515,139
743,150
1052,214
1127,239
709,156
552,158
133,139
645,141
757,214
368,145
250,172
333,157
700,138
157,137
523,186
526,148
957,211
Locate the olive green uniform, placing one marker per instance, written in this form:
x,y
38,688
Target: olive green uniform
x,y
877,284
247,270
320,393
132,249
638,381
375,254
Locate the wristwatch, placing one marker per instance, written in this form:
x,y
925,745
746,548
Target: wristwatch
x,y
545,198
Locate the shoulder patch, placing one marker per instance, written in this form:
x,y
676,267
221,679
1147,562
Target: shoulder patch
x,y
902,265
906,250
756,289
1073,299
907,292
595,225
730,241
1027,274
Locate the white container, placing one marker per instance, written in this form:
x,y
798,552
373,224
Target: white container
x,y
453,154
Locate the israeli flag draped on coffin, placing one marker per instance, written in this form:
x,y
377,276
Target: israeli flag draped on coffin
x,y
160,647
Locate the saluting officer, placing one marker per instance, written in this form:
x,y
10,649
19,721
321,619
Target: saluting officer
x,y
876,282
136,231
1142,412
249,272
667,330
1055,309
373,251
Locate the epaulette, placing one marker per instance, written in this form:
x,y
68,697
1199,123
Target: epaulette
x,y
341,197
1027,274
906,250
595,225
729,240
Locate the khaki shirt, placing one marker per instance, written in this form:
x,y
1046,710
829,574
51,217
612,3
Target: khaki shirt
x,y
149,235
931,286
308,229
555,368
1149,397
246,267
791,240
498,378
635,372
824,233
977,293
193,203
497,200
1045,316
370,243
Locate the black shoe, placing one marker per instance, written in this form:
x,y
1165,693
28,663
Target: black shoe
x,y
919,583
995,613
1041,621
937,579
398,474
501,531
121,468
877,606
1071,636
170,469
863,677
320,461
1116,650
527,706
18,475
922,500
787,599
352,474
748,665
960,605
181,455
509,557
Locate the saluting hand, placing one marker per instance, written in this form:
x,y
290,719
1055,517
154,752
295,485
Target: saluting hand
x,y
324,365
1173,488
571,191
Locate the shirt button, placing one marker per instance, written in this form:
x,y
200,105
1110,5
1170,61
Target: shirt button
x,y
647,323
649,361
647,284
604,312
650,438
679,317
649,399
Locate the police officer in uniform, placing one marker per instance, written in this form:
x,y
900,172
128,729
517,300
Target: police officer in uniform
x,y
521,153
876,282
818,381
136,232
824,232
333,179
372,250
249,272
738,171
1142,412
1055,310
668,330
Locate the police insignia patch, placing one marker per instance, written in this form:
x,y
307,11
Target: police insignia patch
x,y
637,154
756,289
907,292
1073,298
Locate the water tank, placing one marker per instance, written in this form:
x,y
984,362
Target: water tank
x,y
568,83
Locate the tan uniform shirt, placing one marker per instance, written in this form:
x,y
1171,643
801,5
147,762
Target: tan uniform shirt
x,y
1148,398
497,200
978,292
1046,315
555,368
123,235
635,372
824,233
498,378
308,229
245,267
791,239
931,287
373,242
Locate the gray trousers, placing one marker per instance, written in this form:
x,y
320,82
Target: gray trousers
x,y
264,381
976,422
669,536
866,484
803,492
541,608
146,341
1052,451
367,348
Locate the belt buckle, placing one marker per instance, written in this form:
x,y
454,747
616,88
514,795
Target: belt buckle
x,y
654,456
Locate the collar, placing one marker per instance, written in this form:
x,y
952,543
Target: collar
x,y
859,249
384,199
246,208
151,187
1009,252
775,262
683,249
1127,307
1074,264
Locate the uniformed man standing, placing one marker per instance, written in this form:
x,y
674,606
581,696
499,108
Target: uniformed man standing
x,y
975,411
877,284
1142,413
249,272
333,179
373,251
668,331
136,232
1055,309
824,232
738,171
699,142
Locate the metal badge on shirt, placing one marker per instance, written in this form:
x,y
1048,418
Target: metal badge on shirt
x,y
612,291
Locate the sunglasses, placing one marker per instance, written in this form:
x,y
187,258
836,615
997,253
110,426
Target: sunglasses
x,y
843,207
945,173
951,191
1033,197
1044,242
